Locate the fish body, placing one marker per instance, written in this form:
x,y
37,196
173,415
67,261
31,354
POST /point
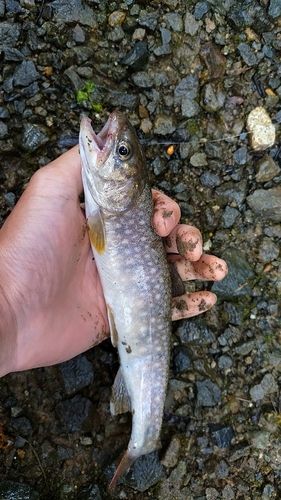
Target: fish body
x,y
135,276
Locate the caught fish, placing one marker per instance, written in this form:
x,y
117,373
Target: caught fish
x,y
135,276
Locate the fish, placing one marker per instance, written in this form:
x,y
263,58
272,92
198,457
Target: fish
x,y
134,273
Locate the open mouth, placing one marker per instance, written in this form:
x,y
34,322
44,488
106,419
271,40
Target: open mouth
x,y
102,141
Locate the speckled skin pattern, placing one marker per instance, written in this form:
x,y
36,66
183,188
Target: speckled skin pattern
x,y
136,283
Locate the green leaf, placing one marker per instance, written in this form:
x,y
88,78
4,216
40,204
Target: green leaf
x,y
81,96
96,107
89,87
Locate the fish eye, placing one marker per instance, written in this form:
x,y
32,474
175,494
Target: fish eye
x,y
124,151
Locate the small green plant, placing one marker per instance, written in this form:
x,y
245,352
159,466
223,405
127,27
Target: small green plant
x,y
85,95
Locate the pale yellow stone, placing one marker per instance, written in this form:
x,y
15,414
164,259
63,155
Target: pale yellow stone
x,y
261,129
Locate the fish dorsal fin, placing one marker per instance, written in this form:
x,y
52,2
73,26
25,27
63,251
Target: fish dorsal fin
x,y
96,231
120,401
112,326
176,281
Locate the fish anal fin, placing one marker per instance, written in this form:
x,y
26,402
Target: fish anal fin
x,y
126,462
120,401
96,231
177,283
112,326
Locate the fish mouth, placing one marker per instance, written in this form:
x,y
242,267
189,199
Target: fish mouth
x,y
97,147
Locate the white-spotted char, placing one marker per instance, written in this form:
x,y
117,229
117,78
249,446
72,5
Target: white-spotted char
x,y
135,276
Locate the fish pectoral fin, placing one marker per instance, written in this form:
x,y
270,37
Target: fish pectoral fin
x,y
112,326
177,283
96,231
120,401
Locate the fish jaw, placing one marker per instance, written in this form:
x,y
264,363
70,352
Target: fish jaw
x,y
114,180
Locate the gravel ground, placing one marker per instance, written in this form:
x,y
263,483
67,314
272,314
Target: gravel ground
x,y
187,74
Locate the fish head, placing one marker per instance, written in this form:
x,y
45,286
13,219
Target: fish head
x,y
113,165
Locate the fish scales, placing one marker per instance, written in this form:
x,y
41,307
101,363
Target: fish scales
x,y
135,278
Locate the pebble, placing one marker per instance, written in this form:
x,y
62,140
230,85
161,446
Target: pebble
x,y
116,18
172,453
70,11
174,21
268,250
149,20
247,54
209,179
25,74
164,125
225,362
266,169
9,33
191,26
33,137
181,358
268,385
11,490
231,191
75,413
266,204
236,283
189,108
142,80
274,9
145,472
3,130
137,57
208,393
261,129
240,156
221,435
199,160
77,373
230,216
192,332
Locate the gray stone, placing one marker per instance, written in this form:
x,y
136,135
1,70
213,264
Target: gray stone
x,y
229,216
174,21
76,82
225,362
164,125
236,283
209,179
266,203
11,490
75,413
274,9
182,358
232,192
221,435
33,137
268,250
12,54
146,471
188,87
192,332
247,54
191,26
3,130
22,426
267,169
70,11
137,57
9,33
189,108
200,9
142,80
208,393
149,20
25,74
77,373
240,156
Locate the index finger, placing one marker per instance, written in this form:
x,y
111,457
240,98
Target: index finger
x,y
166,214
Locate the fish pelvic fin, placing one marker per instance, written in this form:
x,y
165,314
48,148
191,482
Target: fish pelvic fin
x,y
127,460
112,326
120,401
96,231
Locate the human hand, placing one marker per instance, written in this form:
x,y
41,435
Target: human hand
x,y
51,301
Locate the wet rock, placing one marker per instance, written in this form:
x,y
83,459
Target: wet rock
x,y
229,217
240,156
70,11
75,414
164,125
266,204
225,362
142,80
90,493
208,393
12,54
22,425
174,21
172,453
214,60
3,130
11,490
210,180
232,192
149,20
181,358
200,9
268,250
116,18
266,169
267,386
146,471
199,160
189,108
33,137
221,435
191,26
9,33
77,373
25,74
247,54
274,9
191,331
261,129
236,283
10,199
137,57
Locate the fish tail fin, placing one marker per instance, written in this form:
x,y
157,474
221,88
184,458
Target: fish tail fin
x,y
127,460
